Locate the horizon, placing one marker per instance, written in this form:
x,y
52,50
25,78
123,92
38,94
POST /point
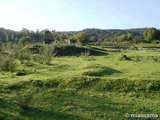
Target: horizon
x,y
79,15
78,30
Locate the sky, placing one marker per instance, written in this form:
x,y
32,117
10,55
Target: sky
x,y
75,15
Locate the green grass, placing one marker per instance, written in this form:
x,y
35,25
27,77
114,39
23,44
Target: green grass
x,y
99,87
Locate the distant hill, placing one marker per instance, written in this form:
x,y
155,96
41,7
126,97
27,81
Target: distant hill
x,y
101,34
94,34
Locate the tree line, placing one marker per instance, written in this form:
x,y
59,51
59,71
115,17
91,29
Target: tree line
x,y
86,36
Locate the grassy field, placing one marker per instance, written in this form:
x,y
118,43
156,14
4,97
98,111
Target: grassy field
x,y
100,87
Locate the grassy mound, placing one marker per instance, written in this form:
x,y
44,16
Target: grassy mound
x,y
89,83
66,50
99,70
84,88
68,98
73,50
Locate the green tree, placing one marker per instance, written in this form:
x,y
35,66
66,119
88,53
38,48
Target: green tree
x,y
72,38
129,36
58,36
122,38
81,38
68,35
94,38
26,40
151,34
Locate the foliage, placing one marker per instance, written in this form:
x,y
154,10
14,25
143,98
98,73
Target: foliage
x,y
45,55
127,37
112,34
26,40
151,34
72,39
94,36
24,54
9,64
122,38
58,36
80,37
35,49
10,48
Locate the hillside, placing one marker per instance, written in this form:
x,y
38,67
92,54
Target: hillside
x,y
104,86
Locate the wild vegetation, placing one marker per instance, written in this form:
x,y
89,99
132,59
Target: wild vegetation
x,y
86,36
79,81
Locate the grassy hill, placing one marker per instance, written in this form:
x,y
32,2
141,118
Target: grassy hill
x,y
104,86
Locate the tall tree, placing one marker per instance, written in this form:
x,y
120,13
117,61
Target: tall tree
x,y
81,38
151,34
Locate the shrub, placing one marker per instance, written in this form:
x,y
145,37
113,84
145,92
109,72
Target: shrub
x,y
24,54
26,40
9,64
45,56
10,48
35,49
39,58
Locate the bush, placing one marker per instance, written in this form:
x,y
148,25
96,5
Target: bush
x,y
9,64
45,56
35,49
156,41
24,54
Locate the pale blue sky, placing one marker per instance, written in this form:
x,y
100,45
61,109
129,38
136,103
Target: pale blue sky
x,y
72,15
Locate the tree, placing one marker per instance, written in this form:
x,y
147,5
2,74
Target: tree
x,y
58,36
37,35
12,36
122,38
158,34
151,34
81,38
129,36
68,35
26,40
94,38
6,34
71,39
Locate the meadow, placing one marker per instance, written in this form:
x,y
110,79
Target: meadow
x,y
83,87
